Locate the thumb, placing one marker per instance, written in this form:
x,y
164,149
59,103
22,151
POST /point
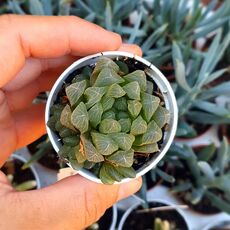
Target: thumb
x,y
74,202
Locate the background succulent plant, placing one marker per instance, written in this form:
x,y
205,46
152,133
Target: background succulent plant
x,y
106,117
160,224
206,175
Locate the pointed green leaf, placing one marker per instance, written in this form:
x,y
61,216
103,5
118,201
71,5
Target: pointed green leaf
x,y
107,102
94,95
139,126
125,124
95,114
133,90
151,148
134,107
152,135
109,126
79,155
65,118
64,151
150,87
115,91
126,172
149,105
102,63
71,141
65,132
73,160
121,115
80,77
87,71
90,151
75,91
105,178
161,116
58,126
124,69
56,109
112,172
206,153
121,104
123,140
138,76
80,118
108,77
122,158
51,123
109,114
89,165
103,143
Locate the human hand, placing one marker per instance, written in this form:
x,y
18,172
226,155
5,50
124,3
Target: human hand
x,y
34,51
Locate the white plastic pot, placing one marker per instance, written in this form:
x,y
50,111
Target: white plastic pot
x,y
218,224
152,72
114,218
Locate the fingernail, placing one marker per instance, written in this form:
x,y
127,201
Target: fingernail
x,y
129,188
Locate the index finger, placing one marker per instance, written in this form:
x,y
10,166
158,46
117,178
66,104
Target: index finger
x,y
48,37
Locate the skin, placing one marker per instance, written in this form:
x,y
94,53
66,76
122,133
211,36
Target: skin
x,y
34,51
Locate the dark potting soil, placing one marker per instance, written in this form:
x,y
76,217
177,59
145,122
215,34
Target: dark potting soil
x,y
200,128
168,71
106,220
13,167
50,159
224,130
140,159
145,220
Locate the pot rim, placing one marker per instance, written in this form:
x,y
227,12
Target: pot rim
x,y
130,209
216,223
31,167
114,217
159,79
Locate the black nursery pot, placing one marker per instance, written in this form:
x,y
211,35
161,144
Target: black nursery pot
x,y
132,219
13,166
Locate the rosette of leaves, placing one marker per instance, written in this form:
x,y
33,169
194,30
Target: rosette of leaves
x,y
106,117
205,176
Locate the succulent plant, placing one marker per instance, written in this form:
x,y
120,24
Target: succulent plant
x,y
160,224
207,175
195,89
178,21
107,117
